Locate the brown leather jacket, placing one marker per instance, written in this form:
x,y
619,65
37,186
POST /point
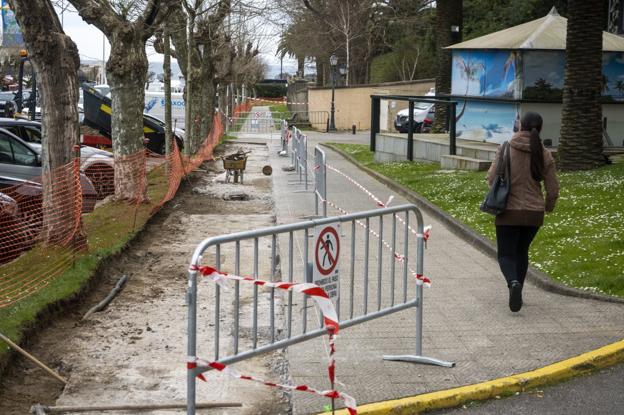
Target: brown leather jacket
x,y
526,204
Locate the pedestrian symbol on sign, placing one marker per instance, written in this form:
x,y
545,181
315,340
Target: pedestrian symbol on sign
x,y
326,258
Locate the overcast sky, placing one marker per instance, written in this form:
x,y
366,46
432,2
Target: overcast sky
x,y
91,42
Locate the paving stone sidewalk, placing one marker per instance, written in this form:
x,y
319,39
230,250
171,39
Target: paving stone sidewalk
x,y
466,316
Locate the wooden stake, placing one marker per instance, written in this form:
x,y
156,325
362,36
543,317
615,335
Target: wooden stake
x,y
131,407
32,358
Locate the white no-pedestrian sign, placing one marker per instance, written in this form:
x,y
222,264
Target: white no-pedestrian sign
x,y
326,258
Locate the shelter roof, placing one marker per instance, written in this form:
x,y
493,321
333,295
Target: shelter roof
x,y
548,32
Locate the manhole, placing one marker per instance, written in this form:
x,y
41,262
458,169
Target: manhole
x,y
236,196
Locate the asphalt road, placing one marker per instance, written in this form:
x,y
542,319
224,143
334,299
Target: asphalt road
x,y
599,394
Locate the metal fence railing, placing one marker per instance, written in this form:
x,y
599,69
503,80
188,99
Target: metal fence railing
x,y
300,156
254,122
284,137
256,322
320,181
316,119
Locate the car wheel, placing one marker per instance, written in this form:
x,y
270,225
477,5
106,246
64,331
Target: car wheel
x,y
103,178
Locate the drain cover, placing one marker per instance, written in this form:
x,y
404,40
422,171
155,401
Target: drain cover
x,y
236,196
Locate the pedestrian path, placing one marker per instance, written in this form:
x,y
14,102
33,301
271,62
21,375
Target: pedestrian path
x,y
466,316
258,123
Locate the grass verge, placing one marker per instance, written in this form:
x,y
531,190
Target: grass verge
x,y
581,244
280,111
108,228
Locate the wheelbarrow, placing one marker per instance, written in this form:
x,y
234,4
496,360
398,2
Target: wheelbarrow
x,y
235,164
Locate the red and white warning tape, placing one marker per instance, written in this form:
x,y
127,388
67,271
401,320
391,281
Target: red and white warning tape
x,y
420,279
276,101
330,318
348,400
319,295
362,188
427,230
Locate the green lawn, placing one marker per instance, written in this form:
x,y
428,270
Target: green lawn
x,y
581,244
279,112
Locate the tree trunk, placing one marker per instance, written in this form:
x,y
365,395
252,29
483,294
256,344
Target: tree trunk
x,y
206,108
348,48
55,59
448,14
301,66
167,82
193,131
127,72
580,145
320,71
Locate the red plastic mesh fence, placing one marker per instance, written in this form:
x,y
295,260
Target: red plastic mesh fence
x,y
37,244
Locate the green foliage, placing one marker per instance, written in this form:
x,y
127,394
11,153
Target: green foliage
x,y
486,16
581,243
279,112
413,32
271,90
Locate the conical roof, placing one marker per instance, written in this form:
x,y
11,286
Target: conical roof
x,y
549,32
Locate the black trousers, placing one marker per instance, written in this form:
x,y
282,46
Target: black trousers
x,y
513,250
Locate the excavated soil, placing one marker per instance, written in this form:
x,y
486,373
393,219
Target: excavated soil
x,y
135,350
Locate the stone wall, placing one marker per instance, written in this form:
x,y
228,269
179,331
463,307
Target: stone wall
x,y
353,104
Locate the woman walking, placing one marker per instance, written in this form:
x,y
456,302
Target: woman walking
x,y
531,164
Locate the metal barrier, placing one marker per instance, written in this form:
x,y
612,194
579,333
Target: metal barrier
x,y
300,156
320,181
317,119
254,122
284,137
253,335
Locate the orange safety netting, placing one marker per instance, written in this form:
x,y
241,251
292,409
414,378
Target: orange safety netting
x,y
243,108
38,245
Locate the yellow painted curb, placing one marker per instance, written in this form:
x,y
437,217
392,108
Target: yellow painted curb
x,y
557,372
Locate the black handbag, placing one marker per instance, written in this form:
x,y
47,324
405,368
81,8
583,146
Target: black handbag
x,y
496,199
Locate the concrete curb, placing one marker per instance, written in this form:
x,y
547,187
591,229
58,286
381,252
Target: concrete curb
x,y
535,276
583,364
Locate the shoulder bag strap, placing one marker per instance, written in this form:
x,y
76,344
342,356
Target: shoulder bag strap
x,y
503,160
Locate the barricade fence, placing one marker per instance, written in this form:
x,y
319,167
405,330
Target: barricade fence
x,y
254,122
299,152
256,312
37,244
320,181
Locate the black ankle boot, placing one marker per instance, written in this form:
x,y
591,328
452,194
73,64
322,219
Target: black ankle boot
x,y
515,296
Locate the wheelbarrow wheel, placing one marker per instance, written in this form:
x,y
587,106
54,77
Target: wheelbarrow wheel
x,y
236,174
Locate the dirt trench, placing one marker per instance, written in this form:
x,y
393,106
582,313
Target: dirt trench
x,y
135,350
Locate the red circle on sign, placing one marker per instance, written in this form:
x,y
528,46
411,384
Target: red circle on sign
x,y
333,260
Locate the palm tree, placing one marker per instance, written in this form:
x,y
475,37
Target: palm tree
x,y
448,14
580,145
619,85
469,70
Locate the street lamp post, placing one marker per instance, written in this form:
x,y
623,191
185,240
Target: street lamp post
x,y
333,60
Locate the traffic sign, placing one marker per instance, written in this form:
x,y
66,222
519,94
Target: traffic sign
x,y
326,258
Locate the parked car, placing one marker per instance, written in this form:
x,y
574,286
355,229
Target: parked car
x,y
20,165
7,104
27,97
97,114
97,164
424,114
10,229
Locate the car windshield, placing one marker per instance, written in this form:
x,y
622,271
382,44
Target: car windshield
x,y
7,96
155,120
421,105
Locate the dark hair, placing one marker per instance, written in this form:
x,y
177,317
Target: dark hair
x,y
532,121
